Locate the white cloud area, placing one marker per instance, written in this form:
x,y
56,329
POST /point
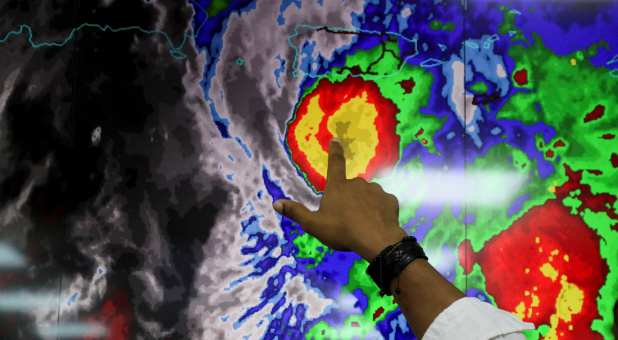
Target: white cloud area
x,y
10,257
23,301
346,302
486,188
72,330
443,260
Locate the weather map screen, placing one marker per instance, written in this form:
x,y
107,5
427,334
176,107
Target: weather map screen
x,y
142,144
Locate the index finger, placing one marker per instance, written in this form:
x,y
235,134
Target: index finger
x,y
336,162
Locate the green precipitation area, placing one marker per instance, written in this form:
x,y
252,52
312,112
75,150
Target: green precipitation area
x,y
438,25
559,94
216,7
479,87
383,66
561,91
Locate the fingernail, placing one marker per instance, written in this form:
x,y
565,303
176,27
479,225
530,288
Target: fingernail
x,y
278,206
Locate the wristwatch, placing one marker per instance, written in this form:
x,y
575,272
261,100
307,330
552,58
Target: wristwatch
x,y
391,262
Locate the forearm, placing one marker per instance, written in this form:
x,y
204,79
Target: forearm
x,y
424,293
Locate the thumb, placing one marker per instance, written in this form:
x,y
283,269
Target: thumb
x,y
295,211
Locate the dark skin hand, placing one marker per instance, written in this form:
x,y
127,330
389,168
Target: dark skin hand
x,y
358,216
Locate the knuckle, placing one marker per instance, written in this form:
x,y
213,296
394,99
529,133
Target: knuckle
x,y
357,183
393,202
392,198
375,186
358,180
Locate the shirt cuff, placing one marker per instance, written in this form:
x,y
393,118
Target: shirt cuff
x,y
471,318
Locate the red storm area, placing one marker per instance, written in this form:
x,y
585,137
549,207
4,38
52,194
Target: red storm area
x,y
614,159
521,77
544,250
407,85
116,316
378,312
595,202
595,114
331,97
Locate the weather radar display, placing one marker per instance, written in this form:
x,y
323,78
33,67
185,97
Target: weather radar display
x,y
142,144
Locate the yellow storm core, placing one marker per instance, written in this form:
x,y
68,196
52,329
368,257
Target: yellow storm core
x,y
352,123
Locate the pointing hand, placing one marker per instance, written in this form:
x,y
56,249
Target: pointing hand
x,y
353,215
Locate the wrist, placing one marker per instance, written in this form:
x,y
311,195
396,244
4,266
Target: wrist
x,y
414,270
372,246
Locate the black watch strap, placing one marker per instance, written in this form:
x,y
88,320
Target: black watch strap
x,y
391,262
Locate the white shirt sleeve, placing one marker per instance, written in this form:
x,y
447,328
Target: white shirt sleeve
x,y
471,318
